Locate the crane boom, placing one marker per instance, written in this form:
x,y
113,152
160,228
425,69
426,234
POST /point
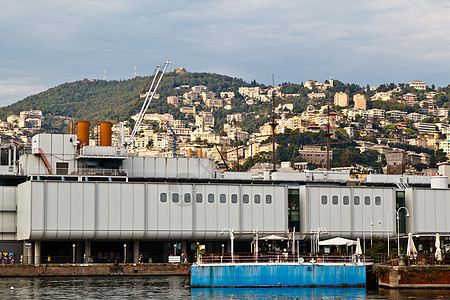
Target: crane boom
x,y
174,142
158,75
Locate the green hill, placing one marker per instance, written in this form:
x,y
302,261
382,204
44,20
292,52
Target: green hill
x,y
116,100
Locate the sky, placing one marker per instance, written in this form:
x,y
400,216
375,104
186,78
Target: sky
x,y
47,42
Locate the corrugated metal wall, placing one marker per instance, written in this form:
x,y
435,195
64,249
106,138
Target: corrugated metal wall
x,y
163,211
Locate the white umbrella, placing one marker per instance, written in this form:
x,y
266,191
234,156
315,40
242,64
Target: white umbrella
x,y
358,250
411,250
438,253
338,241
272,237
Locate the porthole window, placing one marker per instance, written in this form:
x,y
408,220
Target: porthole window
x,y
367,200
245,198
163,197
223,198
199,198
268,199
356,200
175,197
346,200
335,200
324,200
233,198
257,199
210,198
377,200
187,198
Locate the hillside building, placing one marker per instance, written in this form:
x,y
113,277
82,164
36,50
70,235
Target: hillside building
x,y
359,101
341,99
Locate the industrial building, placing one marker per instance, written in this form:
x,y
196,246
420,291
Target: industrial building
x,y
64,197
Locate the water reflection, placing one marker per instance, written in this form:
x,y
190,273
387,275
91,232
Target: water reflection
x,y
173,287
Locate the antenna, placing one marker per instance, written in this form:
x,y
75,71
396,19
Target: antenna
x,y
134,70
104,73
273,125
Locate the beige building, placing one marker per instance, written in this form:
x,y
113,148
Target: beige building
x,y
360,101
341,99
418,84
315,155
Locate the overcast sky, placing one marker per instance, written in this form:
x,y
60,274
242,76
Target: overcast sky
x,y
47,42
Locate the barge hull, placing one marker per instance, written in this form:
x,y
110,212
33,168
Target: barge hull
x,y
277,275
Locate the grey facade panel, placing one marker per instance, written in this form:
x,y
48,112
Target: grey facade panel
x,y
122,211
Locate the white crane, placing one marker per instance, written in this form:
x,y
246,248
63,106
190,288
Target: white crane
x,y
151,92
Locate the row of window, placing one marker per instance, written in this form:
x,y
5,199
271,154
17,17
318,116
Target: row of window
x,y
346,200
222,198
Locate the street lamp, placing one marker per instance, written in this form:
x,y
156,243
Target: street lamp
x,y
316,237
73,253
124,253
371,230
256,242
231,231
398,226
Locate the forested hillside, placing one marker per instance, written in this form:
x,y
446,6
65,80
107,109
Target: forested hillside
x,y
116,100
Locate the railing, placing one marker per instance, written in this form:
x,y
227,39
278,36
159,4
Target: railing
x,y
118,258
279,258
421,259
79,172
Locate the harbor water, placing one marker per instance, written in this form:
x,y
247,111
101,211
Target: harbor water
x,y
174,287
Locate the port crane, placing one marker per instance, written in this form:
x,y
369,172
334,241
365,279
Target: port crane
x,y
157,76
174,142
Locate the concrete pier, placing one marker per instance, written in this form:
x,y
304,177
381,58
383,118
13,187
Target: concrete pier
x,y
427,276
29,270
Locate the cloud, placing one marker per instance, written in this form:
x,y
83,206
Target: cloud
x,y
17,88
363,42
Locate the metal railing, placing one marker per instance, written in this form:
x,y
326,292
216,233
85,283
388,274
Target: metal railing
x,y
280,258
45,259
421,259
78,172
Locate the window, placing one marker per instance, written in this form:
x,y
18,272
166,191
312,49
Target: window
x,y
335,200
163,197
268,199
324,200
377,200
346,200
62,168
199,198
367,200
356,200
187,198
245,198
257,199
233,198
223,198
175,197
210,198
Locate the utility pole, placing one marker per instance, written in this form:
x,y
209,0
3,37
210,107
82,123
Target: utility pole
x,y
273,125
237,150
328,139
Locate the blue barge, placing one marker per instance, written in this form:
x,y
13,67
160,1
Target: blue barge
x,y
277,275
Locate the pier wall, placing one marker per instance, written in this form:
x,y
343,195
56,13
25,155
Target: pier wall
x,y
265,275
413,276
24,270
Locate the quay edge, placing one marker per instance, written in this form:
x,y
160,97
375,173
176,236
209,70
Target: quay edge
x,y
414,277
43,270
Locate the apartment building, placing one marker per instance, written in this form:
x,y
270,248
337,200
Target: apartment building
x,y
360,101
341,99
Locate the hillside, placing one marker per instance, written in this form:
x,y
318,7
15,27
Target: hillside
x,y
115,100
